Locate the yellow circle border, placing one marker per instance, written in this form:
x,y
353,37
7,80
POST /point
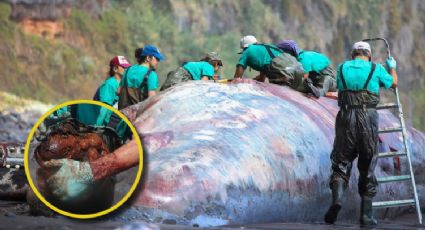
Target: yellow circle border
x,y
97,214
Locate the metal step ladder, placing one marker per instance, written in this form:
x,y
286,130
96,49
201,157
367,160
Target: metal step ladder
x,y
402,153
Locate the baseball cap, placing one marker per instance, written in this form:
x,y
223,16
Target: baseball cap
x,y
247,41
289,46
213,56
119,60
150,50
362,46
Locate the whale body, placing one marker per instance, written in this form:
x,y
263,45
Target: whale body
x,y
250,152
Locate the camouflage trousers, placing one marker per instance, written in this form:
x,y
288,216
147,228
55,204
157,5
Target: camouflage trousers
x,y
325,80
177,76
286,70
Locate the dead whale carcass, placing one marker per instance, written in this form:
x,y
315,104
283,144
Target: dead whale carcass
x,y
246,152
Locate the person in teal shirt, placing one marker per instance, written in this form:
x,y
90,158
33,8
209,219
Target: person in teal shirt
x,y
255,55
200,70
99,116
355,75
356,128
88,114
272,63
140,81
205,69
317,69
107,93
95,115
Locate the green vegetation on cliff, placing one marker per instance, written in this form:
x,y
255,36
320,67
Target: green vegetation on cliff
x,y
71,65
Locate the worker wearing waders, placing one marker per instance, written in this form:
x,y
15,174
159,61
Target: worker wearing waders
x,y
279,67
356,128
317,69
140,81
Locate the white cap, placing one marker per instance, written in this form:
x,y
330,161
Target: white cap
x,y
247,41
362,46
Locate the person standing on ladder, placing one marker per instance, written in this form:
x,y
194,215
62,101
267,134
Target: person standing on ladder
x,y
356,128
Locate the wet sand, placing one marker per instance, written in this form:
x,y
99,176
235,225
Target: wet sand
x,y
15,215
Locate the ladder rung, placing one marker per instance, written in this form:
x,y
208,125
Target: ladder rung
x,y
393,178
393,203
387,106
390,130
392,154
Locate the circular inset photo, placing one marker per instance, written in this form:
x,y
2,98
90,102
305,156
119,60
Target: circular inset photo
x,y
83,159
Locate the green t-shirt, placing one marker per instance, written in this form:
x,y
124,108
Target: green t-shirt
x,y
87,113
107,95
313,61
356,72
198,69
60,112
94,115
134,75
257,57
108,91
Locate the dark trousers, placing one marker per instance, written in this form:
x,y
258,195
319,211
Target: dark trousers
x,y
356,135
325,80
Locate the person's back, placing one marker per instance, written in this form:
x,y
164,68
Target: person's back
x,y
86,113
140,81
134,76
313,61
356,128
280,68
356,72
199,69
257,57
108,91
317,69
205,69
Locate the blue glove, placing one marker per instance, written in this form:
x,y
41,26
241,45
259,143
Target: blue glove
x,y
73,180
391,63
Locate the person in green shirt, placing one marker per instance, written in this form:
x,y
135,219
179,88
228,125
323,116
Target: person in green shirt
x,y
356,128
272,63
88,114
317,69
205,69
95,115
107,93
140,81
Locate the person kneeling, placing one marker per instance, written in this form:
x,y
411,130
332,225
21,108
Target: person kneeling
x,y
205,69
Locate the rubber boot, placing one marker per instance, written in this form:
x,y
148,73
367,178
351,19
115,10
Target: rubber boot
x,y
366,212
308,84
338,188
